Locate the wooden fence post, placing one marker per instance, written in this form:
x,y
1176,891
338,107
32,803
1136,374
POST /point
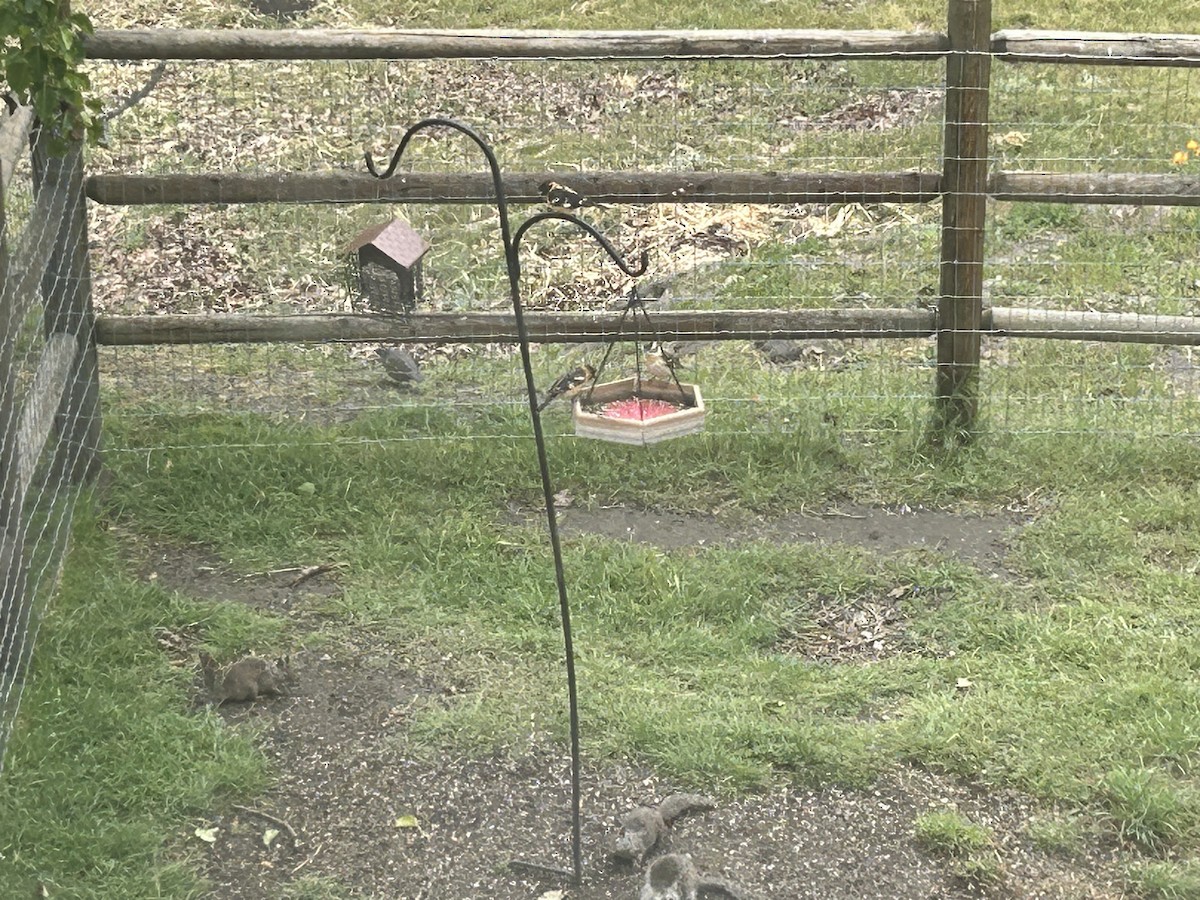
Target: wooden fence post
x,y
964,212
67,291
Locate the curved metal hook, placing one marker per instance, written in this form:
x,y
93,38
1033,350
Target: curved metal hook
x,y
631,270
435,122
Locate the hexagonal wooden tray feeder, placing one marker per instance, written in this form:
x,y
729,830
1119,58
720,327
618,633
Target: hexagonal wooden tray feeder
x,y
590,420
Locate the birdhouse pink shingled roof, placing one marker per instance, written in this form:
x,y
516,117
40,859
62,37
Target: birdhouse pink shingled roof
x,y
396,239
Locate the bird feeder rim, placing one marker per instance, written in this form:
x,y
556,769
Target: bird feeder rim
x,y
688,420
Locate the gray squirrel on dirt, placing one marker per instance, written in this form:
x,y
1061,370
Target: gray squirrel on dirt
x,y
247,679
644,828
675,877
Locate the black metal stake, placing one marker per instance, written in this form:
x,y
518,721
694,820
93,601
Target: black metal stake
x,y
512,244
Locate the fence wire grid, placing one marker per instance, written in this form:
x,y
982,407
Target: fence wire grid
x,y
818,116
42,375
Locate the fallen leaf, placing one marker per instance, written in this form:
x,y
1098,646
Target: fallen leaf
x,y
407,822
553,895
897,592
208,835
269,835
964,684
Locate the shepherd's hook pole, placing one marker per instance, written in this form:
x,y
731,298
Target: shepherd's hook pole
x,y
513,265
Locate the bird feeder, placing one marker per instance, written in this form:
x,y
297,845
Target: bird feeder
x,y
639,411
385,267
651,406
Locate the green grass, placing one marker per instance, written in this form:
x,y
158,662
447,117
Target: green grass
x,y
1081,665
1064,835
1165,880
107,762
969,845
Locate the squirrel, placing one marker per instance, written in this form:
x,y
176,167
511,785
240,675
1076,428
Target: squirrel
x,y
246,679
675,877
644,828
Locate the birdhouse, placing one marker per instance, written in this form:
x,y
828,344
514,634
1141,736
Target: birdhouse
x,y
385,263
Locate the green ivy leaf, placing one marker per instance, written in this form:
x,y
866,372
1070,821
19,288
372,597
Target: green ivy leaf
x,y
41,63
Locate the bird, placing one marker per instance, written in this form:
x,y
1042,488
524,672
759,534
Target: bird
x,y
560,196
659,364
568,384
399,366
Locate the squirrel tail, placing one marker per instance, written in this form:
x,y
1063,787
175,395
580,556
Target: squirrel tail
x,y
678,805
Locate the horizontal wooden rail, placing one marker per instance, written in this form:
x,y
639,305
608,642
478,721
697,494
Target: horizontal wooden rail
x,y
605,187
1118,327
1175,189
14,141
1010,45
545,328
1097,48
41,403
322,43
569,328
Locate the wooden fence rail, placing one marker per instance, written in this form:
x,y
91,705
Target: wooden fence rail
x,y
519,187
149,43
633,188
1015,45
488,327
684,325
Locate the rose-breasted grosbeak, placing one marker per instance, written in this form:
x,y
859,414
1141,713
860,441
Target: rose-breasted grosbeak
x,y
560,196
568,384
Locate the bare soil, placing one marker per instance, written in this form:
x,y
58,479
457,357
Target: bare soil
x,y
353,804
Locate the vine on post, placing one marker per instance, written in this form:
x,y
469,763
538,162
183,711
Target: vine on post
x,y
40,60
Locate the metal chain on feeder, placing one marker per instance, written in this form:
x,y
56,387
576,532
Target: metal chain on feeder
x,y
638,410
635,304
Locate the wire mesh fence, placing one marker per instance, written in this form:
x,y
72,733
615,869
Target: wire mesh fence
x,y
724,117
45,379
1084,258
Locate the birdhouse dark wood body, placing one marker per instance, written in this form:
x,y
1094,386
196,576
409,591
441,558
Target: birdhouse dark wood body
x,y
388,259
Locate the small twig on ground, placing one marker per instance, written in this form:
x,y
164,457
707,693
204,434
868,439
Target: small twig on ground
x,y
310,858
274,820
307,572
269,572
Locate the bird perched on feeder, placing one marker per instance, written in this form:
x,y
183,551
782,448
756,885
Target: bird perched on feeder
x,y
658,363
399,366
561,196
569,384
